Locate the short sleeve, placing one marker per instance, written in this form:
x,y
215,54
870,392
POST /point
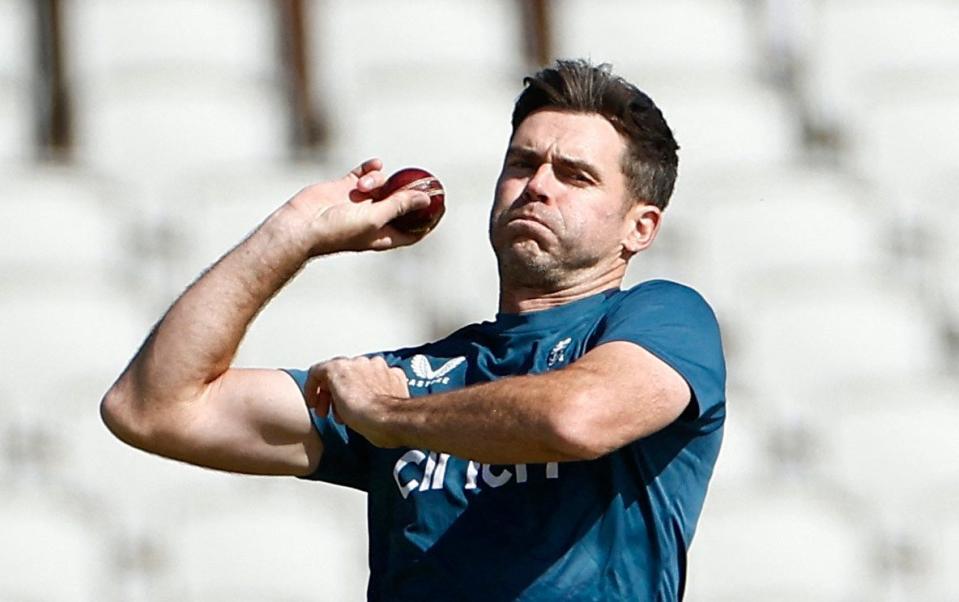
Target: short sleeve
x,y
346,453
674,323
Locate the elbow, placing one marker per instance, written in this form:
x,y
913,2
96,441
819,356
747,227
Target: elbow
x,y
120,414
577,434
114,412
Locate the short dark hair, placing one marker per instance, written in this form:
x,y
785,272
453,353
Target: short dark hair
x,y
650,161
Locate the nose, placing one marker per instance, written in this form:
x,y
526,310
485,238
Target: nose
x,y
538,186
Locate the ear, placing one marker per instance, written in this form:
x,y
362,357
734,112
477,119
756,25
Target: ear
x,y
641,225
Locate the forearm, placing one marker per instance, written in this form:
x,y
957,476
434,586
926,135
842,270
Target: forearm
x,y
195,342
512,420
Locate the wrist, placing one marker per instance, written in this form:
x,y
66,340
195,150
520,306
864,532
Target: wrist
x,y
390,431
289,231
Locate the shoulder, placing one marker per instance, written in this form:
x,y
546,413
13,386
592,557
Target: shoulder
x,y
676,324
662,296
663,288
665,317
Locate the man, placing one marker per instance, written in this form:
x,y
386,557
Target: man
x,y
560,452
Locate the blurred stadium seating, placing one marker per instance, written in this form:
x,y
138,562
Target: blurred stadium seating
x,y
15,55
815,209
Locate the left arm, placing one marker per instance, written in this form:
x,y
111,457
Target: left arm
x,y
616,393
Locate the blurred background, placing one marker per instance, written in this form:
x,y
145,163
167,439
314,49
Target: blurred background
x,y
141,139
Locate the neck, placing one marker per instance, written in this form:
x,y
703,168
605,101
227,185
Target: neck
x,y
521,299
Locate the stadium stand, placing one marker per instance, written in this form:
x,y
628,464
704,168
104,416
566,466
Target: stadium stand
x,y
179,36
701,37
16,43
938,252
789,221
16,142
780,541
371,55
69,228
858,50
145,127
194,85
52,550
834,335
15,118
900,457
723,124
941,529
907,135
265,548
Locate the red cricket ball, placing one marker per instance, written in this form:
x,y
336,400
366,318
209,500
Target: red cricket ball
x,y
423,220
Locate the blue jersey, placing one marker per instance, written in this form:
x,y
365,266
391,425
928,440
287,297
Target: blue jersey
x,y
614,528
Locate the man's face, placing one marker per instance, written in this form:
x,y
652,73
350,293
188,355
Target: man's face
x,y
559,215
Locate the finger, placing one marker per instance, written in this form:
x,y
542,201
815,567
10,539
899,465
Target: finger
x,y
312,389
324,403
318,379
393,238
397,204
402,380
371,181
372,164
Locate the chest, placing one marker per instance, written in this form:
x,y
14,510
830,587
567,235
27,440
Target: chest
x,y
484,359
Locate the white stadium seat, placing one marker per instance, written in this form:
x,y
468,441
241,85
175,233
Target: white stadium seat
x,y
155,127
110,38
16,39
164,87
87,455
68,339
940,526
907,134
423,125
65,227
725,124
641,37
779,542
385,34
940,222
744,456
394,44
16,122
50,552
751,225
304,545
400,61
818,338
859,47
16,101
895,447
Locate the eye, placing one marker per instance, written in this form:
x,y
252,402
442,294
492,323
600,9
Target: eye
x,y
577,178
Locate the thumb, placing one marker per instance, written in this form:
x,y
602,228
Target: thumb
x,y
399,203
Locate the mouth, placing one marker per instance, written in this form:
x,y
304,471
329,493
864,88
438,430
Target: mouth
x,y
529,219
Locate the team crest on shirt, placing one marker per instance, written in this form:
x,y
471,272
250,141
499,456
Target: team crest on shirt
x,y
426,376
558,354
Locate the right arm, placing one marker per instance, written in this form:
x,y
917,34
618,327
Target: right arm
x,y
179,397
